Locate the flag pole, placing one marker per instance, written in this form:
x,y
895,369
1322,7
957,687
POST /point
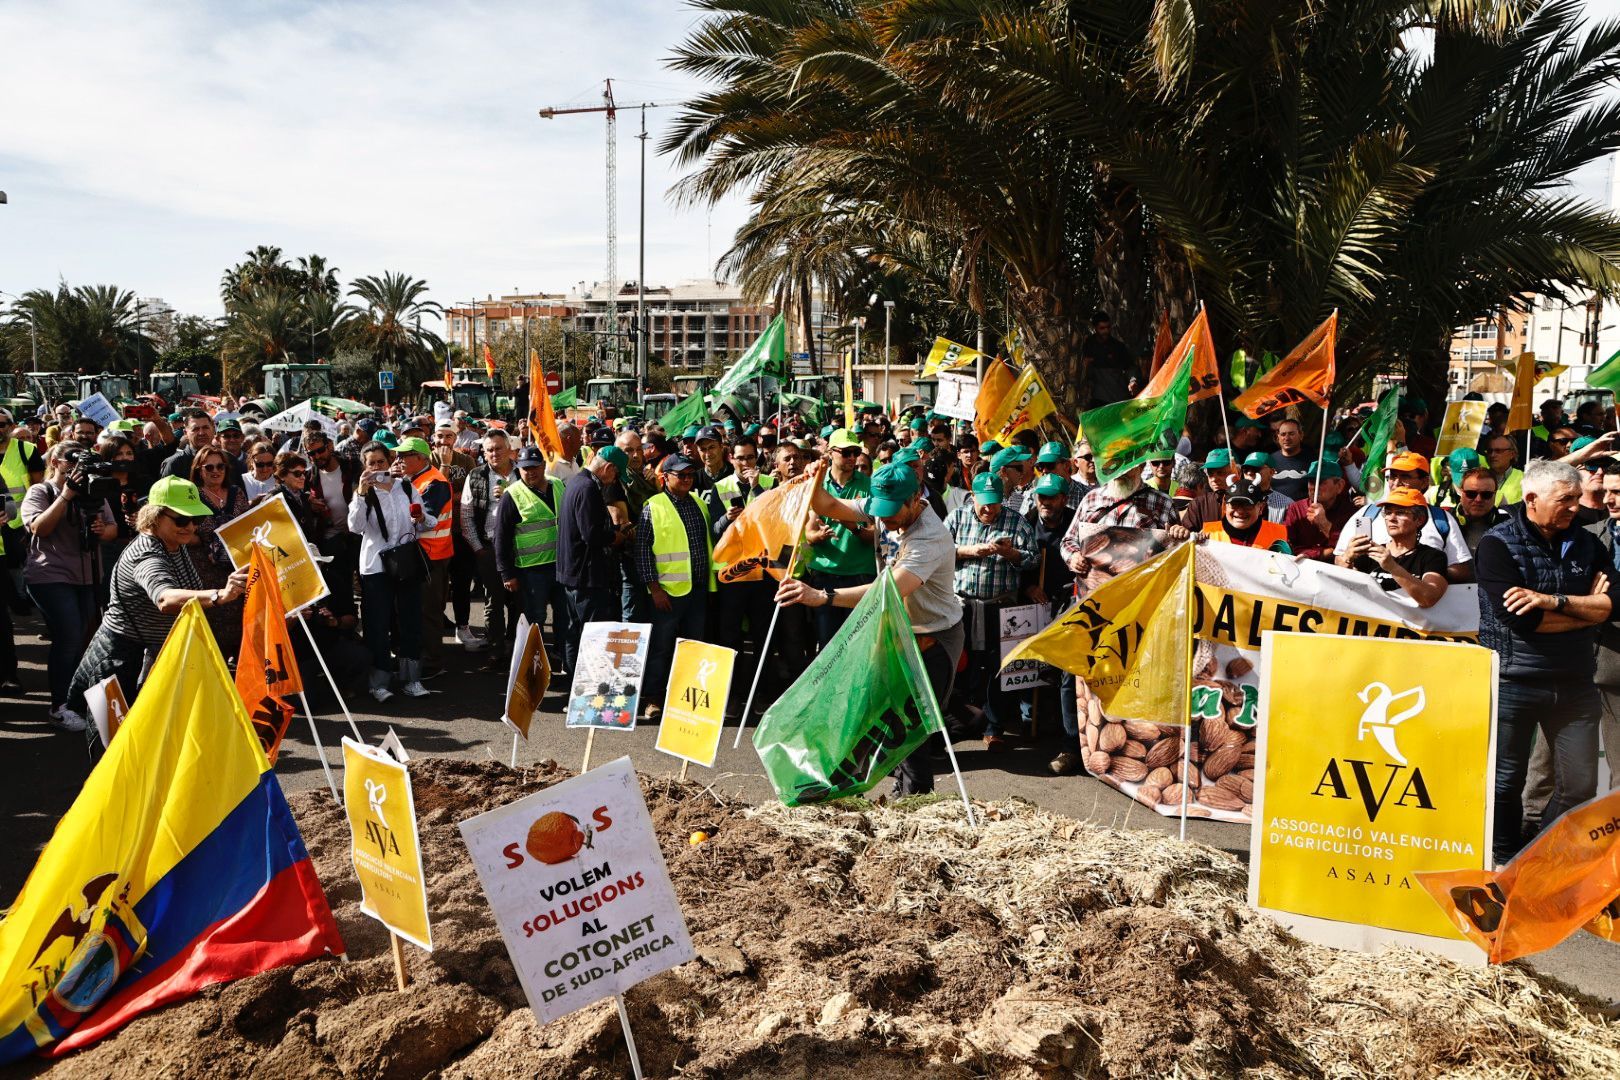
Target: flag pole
x,y
329,680
629,1037
1327,412
320,750
1220,386
1186,741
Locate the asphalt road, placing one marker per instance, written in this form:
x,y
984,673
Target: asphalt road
x,y
41,770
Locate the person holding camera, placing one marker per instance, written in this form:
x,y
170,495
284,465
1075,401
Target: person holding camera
x,y
388,515
67,518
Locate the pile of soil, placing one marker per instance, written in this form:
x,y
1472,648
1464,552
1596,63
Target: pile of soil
x,y
871,943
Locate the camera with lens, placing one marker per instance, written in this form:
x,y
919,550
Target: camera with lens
x,y
91,475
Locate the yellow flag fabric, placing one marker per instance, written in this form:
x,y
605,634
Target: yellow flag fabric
x,y
947,355
1527,372
997,383
1130,639
849,395
1023,404
1206,371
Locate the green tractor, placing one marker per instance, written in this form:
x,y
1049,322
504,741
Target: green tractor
x,y
119,390
500,400
50,387
473,398
686,385
606,399
286,385
177,388
11,399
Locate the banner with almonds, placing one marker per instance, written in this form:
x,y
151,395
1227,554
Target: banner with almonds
x,y
1240,594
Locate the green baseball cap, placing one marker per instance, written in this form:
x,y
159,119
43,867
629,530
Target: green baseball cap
x,y
919,424
893,486
1462,459
1051,484
1582,443
1247,421
988,447
751,429
1257,460
615,457
413,445
1052,453
827,432
906,455
843,438
691,432
178,495
1218,458
1330,470
987,489
388,438
1009,456
1334,441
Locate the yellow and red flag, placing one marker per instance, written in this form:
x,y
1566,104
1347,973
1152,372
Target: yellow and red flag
x,y
266,672
1206,372
449,375
542,417
489,362
1305,374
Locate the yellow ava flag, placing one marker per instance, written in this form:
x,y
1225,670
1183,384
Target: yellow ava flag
x,y
1024,403
1527,372
947,355
383,846
695,705
1130,639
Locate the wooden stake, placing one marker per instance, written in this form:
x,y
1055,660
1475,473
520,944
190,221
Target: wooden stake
x,y
684,766
401,978
590,740
629,1036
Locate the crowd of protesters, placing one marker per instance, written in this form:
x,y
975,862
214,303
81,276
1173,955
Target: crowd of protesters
x,y
107,533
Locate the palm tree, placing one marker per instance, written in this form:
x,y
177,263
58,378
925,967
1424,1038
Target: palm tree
x,y
265,325
85,328
388,325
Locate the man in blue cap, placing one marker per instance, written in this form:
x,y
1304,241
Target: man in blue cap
x,y
920,554
993,546
674,552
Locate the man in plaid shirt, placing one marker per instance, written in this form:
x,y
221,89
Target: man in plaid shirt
x,y
993,545
1123,501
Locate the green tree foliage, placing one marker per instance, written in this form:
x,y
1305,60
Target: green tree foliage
x,y
385,324
88,328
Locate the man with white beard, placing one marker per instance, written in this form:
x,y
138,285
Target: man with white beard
x,y
1123,501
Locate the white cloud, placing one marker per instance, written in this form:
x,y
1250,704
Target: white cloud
x,y
150,144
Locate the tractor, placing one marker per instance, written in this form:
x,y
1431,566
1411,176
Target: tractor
x,y
286,385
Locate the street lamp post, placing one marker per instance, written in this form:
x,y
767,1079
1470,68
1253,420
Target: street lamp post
x,y
888,323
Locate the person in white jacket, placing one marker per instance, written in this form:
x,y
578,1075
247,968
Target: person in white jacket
x,y
387,514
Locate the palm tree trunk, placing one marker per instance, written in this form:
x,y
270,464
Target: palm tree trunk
x,y
1120,260
806,302
1053,329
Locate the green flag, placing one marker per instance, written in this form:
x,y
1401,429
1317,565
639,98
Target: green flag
x,y
565,399
766,358
1239,372
812,409
1125,434
1376,432
1606,376
817,745
690,411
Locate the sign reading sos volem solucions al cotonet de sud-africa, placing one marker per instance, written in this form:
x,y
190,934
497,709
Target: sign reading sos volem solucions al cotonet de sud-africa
x,y
579,890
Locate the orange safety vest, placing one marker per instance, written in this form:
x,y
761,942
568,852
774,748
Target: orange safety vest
x,y
436,543
1270,533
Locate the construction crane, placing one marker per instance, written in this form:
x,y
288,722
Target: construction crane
x,y
611,109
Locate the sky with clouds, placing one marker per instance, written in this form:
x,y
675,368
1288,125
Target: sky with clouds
x,y
149,145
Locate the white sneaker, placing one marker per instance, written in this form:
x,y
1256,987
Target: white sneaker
x,y
470,640
66,719
416,689
381,693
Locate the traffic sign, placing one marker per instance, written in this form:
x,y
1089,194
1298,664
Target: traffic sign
x,y
385,380
553,382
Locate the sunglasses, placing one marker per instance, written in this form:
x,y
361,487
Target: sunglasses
x,y
849,451
180,522
299,473
1085,457
264,463
1478,494
214,468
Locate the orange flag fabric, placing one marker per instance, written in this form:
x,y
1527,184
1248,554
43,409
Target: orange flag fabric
x,y
1304,375
542,417
1567,878
1521,417
1206,372
1163,341
765,536
267,674
489,362
999,378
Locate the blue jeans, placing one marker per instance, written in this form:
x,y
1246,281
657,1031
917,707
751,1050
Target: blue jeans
x,y
1567,714
67,610
684,619
588,605
538,590
384,606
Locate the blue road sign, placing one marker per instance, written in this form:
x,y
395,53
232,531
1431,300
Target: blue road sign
x,y
385,380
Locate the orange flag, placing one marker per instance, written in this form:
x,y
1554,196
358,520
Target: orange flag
x,y
1305,374
1520,415
1206,374
542,417
998,382
1162,342
489,362
1567,878
766,535
266,672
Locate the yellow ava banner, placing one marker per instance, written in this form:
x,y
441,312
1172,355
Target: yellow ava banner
x,y
383,842
695,707
271,523
1464,423
1373,765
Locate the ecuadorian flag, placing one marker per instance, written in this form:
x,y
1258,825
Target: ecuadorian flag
x,y
179,865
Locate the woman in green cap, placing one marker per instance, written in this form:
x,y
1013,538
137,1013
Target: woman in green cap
x,y
153,579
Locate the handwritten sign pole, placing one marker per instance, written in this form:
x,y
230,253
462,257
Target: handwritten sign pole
x,y
320,751
402,978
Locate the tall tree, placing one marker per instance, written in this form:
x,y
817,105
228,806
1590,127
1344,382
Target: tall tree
x,y
386,324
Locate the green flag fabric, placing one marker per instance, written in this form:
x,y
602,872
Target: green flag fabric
x,y
1606,376
565,399
692,410
1376,431
1239,373
765,358
816,745
812,409
1125,434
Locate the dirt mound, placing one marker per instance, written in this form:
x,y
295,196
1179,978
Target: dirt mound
x,y
870,943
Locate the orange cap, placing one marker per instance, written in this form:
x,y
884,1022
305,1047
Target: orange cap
x,y
1406,461
1401,496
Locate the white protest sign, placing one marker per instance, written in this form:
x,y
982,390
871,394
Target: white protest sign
x,y
607,677
295,418
1018,623
96,407
107,707
956,395
579,890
